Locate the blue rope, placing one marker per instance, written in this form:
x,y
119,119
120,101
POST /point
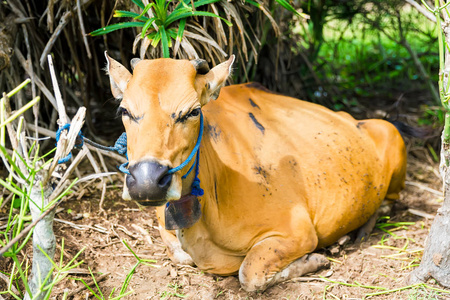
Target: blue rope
x,y
194,151
196,190
78,145
120,147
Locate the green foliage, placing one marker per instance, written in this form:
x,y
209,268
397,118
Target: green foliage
x,y
162,27
167,21
432,116
360,52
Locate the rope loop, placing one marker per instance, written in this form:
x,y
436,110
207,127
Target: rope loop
x,y
79,142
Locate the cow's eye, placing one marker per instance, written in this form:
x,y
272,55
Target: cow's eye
x,y
194,113
124,112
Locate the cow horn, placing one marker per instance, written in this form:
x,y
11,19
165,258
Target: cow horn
x,y
201,66
134,62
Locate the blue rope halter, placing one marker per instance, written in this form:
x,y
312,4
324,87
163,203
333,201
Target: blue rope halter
x,y
121,147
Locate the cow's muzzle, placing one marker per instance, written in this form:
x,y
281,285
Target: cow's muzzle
x,y
148,182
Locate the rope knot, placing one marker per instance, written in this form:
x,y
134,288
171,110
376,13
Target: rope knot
x,y
196,190
121,144
78,143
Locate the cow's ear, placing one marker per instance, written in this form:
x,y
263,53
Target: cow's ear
x,y
212,82
118,76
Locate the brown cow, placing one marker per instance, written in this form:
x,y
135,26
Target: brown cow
x,y
281,177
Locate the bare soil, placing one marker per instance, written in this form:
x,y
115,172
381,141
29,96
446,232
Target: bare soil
x,y
379,264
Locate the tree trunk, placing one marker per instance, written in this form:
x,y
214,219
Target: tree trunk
x,y
436,258
43,238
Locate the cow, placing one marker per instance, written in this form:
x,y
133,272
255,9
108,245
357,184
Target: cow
x,y
281,177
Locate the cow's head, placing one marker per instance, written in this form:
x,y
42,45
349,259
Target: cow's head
x,y
160,107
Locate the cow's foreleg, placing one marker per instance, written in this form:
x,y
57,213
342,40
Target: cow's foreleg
x,y
175,252
281,257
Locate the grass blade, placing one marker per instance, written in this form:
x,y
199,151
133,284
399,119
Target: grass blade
x,y
164,42
111,28
129,14
180,32
146,9
147,26
177,16
139,3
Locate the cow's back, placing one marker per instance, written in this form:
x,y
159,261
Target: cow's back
x,y
280,157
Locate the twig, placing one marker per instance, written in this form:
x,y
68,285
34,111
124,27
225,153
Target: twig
x,y
102,162
102,197
420,213
6,200
122,228
27,67
93,162
306,279
12,134
422,10
425,188
83,31
61,185
82,226
62,23
89,283
59,102
95,176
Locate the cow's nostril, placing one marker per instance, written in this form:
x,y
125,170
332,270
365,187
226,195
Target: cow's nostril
x,y
165,180
130,180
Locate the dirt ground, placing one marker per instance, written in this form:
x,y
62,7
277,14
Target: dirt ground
x,y
379,264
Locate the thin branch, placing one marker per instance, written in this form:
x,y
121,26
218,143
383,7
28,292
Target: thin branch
x,y
62,23
422,10
28,69
83,31
59,102
61,185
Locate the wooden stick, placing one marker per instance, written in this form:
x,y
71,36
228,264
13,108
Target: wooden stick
x,y
28,69
83,31
59,102
425,188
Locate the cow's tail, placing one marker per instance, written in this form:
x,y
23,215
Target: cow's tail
x,y
410,131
